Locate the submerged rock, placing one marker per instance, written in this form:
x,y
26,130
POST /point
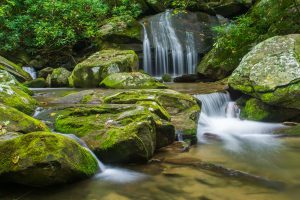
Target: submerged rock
x,y
43,158
133,80
59,78
271,72
12,120
36,83
93,70
117,133
14,69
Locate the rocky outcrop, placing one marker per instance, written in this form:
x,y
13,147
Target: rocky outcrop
x,y
59,78
15,97
93,70
254,109
117,133
133,80
14,69
43,73
266,19
12,120
43,159
271,72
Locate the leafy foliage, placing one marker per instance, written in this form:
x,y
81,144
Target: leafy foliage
x,y
54,24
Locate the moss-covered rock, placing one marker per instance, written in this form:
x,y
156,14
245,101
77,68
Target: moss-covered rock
x,y
14,97
9,80
43,73
43,158
271,72
254,109
93,70
12,120
14,69
183,108
266,19
133,80
289,131
116,133
121,31
36,83
59,78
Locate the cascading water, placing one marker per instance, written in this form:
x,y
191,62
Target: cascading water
x,y
170,56
31,71
220,119
191,53
147,52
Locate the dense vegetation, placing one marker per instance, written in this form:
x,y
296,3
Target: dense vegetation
x,y
265,20
46,24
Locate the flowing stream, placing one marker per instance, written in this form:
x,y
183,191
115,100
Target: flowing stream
x,y
224,140
31,71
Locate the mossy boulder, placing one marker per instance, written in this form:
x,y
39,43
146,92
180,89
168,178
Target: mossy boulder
x,y
43,73
59,78
43,159
93,70
9,80
271,72
289,131
121,31
14,69
12,120
116,133
184,109
131,80
15,97
266,19
36,83
254,109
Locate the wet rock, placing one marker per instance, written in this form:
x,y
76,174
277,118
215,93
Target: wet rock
x,y
43,73
59,78
270,72
12,120
189,78
117,133
43,159
36,83
14,69
93,70
16,98
133,80
255,109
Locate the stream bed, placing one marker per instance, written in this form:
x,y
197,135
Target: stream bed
x,y
250,164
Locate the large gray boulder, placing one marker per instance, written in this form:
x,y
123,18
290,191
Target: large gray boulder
x,y
271,72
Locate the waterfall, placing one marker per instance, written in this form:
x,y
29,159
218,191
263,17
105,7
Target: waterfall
x,y
169,53
219,119
31,71
191,53
147,52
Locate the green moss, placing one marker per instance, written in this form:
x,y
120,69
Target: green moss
x,y
133,80
36,83
15,121
43,158
292,131
93,70
14,97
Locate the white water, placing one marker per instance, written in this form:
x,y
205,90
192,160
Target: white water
x,y
147,52
170,55
219,119
191,53
31,71
110,174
